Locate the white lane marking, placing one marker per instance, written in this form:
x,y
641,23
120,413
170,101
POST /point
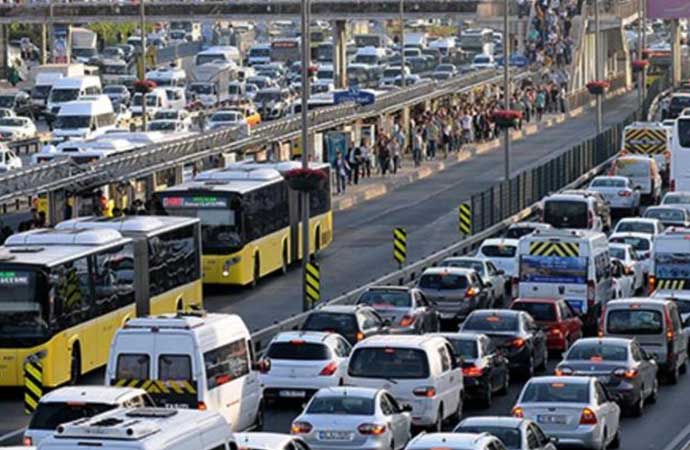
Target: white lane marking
x,y
680,437
11,434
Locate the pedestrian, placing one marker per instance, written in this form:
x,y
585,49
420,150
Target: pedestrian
x,y
367,156
383,155
341,171
540,103
417,147
355,161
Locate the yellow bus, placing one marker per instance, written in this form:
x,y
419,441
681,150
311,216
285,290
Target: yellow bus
x,y
250,219
64,292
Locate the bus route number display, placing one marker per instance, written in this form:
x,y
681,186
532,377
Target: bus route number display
x,y
13,279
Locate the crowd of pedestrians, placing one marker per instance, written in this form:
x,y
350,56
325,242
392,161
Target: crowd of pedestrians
x,y
549,41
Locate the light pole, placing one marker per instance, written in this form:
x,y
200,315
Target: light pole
x,y
643,11
506,89
402,43
306,62
598,65
640,48
142,34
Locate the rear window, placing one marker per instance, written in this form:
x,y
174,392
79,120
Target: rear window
x,y
511,437
634,321
632,168
676,199
477,266
401,363
608,182
545,312
132,366
355,406
443,281
465,348
386,299
174,367
298,350
498,251
556,392
635,227
683,132
596,351
490,323
565,214
639,244
617,252
665,214
49,415
342,323
518,232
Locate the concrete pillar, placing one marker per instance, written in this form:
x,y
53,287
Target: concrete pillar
x,y
44,44
405,127
340,53
675,52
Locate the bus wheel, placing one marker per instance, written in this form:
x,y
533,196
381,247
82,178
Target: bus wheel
x,y
284,266
257,271
75,365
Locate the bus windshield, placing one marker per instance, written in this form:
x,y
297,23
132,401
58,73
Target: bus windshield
x,y
22,313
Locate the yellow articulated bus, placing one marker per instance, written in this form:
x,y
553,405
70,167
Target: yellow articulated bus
x,y
250,219
64,292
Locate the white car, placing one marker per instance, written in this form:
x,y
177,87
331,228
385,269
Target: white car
x,y
577,410
179,115
17,129
226,118
7,112
618,192
503,253
483,61
8,159
418,370
302,362
643,245
625,253
653,227
76,402
678,199
456,441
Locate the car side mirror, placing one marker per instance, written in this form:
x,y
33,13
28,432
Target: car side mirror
x,y
406,407
263,365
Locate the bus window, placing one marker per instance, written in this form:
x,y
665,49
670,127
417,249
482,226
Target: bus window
x,y
114,278
173,260
72,301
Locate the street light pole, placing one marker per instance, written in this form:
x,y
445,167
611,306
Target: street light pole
x,y
598,65
506,88
306,62
142,34
644,44
640,48
402,43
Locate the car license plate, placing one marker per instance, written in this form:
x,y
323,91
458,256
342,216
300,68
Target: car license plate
x,y
551,418
293,394
335,435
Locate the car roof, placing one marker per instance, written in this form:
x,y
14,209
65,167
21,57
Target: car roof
x,y
497,312
93,394
611,177
461,335
639,219
648,301
502,421
340,309
561,379
620,244
413,341
635,234
390,288
538,299
448,269
501,241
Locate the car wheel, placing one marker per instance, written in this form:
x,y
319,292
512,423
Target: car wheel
x,y
616,442
655,392
673,375
506,384
637,409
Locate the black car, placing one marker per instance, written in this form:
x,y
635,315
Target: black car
x,y
406,308
620,364
515,333
353,322
484,368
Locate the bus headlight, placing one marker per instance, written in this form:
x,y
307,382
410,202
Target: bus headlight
x,y
229,263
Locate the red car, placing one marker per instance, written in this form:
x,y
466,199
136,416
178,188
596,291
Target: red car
x,y
559,321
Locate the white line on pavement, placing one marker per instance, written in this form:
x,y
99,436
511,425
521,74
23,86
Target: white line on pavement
x,y
680,437
11,434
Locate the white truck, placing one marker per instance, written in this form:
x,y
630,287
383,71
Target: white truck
x,y
83,44
210,83
44,76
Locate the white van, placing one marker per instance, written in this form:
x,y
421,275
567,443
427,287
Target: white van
x,y
69,89
572,264
168,77
202,361
680,155
259,54
156,100
145,429
225,53
670,272
642,171
418,370
86,118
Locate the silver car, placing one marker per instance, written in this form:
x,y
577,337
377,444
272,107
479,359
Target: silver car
x,y
618,192
346,418
516,434
579,411
493,278
406,308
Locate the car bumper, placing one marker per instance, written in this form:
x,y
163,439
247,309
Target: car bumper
x,y
273,387
373,443
583,436
288,393
622,202
519,359
476,386
555,342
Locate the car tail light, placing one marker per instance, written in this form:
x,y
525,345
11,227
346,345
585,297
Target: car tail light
x,y
426,391
329,370
264,366
669,326
626,373
27,442
371,429
588,417
602,318
629,270
407,320
472,371
624,193
517,343
201,406
471,292
555,330
590,293
651,281
518,412
359,336
563,371
301,428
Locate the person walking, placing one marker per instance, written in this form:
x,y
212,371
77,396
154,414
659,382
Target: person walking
x,y
354,161
417,147
383,155
366,159
341,171
540,103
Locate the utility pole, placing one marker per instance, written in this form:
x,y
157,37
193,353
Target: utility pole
x,y
306,62
142,26
643,11
640,48
402,43
506,88
598,66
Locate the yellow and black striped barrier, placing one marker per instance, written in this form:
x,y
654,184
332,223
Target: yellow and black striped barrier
x,y
312,279
645,141
671,285
159,386
465,219
399,245
33,384
566,249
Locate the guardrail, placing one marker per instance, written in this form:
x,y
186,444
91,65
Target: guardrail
x,y
26,146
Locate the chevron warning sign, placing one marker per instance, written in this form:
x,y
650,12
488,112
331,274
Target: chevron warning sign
x,y
465,219
645,141
33,385
554,249
399,245
671,285
312,278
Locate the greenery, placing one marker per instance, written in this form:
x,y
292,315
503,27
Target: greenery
x,y
107,32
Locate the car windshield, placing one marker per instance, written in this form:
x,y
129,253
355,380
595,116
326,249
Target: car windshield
x,y
389,362
590,351
544,312
21,313
72,122
518,232
386,299
635,227
443,281
204,59
511,437
63,95
477,266
632,168
565,213
166,115
498,251
115,69
297,349
481,60
201,89
684,132
556,392
326,321
639,244
634,321
464,348
490,323
11,122
163,125
345,404
225,117
49,415
114,90
665,214
41,91
676,199
608,182
617,252
267,97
